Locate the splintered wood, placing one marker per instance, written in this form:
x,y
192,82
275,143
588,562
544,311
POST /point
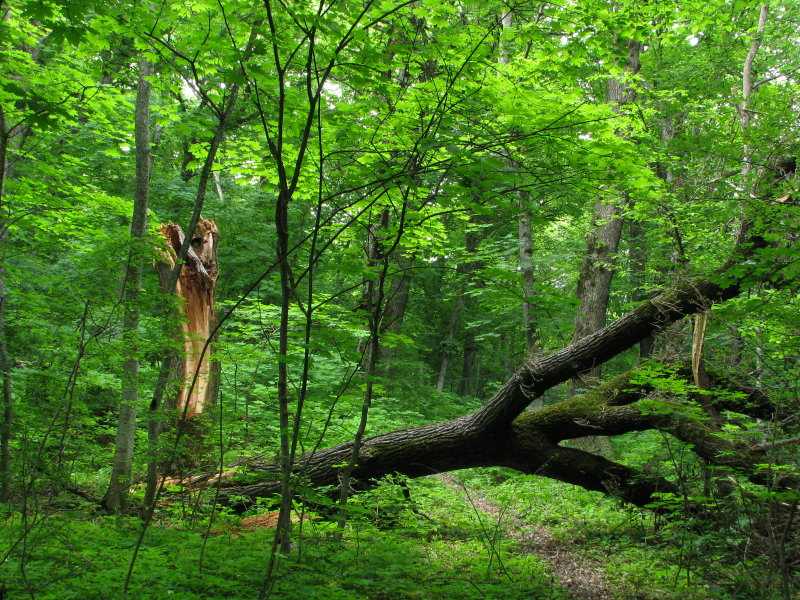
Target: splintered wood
x,y
196,285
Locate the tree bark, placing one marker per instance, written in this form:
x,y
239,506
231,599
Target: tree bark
x,y
597,271
12,137
524,230
500,434
170,362
449,342
594,281
526,270
638,274
529,444
393,314
196,288
8,398
5,360
465,387
117,494
468,386
384,252
464,270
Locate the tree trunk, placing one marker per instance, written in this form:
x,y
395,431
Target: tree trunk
x,y
597,271
396,304
638,274
196,287
117,494
526,270
594,281
500,434
382,251
8,398
170,364
17,133
465,386
448,347
449,342
5,360
393,314
525,245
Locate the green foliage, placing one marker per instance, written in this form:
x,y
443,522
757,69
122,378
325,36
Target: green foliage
x,y
425,555
406,139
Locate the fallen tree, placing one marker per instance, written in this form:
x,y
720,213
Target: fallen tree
x,y
502,433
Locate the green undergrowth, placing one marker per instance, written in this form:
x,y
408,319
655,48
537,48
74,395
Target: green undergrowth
x,y
432,547
422,539
643,556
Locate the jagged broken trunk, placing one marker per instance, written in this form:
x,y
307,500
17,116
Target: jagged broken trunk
x,y
197,371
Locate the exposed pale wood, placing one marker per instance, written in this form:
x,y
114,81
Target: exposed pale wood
x,y
196,286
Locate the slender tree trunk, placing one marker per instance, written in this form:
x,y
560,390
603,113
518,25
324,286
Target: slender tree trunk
x,y
218,187
638,273
282,226
525,244
396,304
748,87
117,495
5,360
449,342
18,132
379,255
466,387
8,398
169,372
464,270
526,270
393,314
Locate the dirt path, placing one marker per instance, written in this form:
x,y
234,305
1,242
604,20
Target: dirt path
x,y
582,577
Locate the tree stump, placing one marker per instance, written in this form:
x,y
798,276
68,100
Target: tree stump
x,y
195,288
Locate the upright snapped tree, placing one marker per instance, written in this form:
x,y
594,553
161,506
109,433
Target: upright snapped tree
x,y
198,378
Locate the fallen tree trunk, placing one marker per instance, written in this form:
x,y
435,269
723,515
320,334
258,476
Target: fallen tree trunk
x,y
500,434
529,444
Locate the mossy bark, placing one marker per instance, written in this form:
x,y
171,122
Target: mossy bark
x,y
530,444
501,434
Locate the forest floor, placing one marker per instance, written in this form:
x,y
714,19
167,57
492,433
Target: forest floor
x,y
578,573
473,535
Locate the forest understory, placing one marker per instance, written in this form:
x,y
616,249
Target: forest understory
x,y
399,299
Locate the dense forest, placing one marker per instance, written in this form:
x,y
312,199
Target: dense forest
x,y
389,299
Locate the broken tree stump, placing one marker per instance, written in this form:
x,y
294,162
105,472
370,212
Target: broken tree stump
x,y
195,288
